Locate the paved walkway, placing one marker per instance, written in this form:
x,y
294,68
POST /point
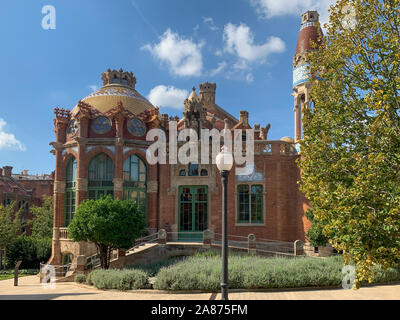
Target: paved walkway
x,y
30,289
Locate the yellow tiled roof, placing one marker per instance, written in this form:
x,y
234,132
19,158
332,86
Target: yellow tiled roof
x,y
109,96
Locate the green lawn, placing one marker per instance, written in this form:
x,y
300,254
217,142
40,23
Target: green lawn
x,y
9,274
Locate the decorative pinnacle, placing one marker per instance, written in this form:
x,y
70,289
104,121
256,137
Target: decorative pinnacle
x,y
119,77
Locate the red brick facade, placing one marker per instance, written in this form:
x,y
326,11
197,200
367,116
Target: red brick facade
x,y
25,190
76,137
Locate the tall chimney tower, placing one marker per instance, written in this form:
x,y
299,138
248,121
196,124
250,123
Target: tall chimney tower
x,y
310,32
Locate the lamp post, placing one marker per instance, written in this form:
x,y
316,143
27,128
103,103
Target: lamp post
x,y
224,163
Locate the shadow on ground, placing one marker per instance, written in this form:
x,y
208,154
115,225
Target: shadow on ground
x,y
41,296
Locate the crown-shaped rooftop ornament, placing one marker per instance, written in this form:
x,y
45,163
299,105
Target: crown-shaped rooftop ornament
x,y
112,77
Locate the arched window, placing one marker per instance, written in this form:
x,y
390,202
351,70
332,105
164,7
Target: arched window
x,y
100,177
204,173
182,173
135,180
70,191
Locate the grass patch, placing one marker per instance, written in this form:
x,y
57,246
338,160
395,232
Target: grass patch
x,y
153,268
118,279
252,272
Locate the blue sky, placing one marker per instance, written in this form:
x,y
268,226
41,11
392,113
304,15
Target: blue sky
x,y
245,46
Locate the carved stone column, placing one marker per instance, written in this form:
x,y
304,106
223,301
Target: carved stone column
x,y
118,188
81,189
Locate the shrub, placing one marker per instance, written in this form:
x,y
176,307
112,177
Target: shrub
x,y
118,279
80,278
252,272
153,268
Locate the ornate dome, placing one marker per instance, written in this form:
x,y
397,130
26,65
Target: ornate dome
x,y
118,86
287,139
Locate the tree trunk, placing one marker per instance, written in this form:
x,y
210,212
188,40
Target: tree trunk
x,y
5,258
105,255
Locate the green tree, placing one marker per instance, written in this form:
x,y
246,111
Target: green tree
x,y
351,144
30,250
109,224
42,222
10,225
315,234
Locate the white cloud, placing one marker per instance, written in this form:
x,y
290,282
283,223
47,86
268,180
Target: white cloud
x,y
241,65
183,56
250,77
274,8
239,40
210,22
8,140
170,96
221,66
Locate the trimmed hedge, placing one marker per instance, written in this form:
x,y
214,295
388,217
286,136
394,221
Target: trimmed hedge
x,y
153,268
118,279
252,272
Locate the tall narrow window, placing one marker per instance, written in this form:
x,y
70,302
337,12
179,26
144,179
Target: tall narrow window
x,y
250,204
135,181
100,177
70,191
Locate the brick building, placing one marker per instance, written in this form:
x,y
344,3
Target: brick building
x,y
25,190
100,149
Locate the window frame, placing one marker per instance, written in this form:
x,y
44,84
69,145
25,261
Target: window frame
x,y
105,186
70,191
138,186
261,196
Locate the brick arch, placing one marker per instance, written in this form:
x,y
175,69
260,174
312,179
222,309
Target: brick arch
x,y
65,161
66,253
139,153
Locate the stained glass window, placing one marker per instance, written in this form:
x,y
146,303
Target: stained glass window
x,y
101,125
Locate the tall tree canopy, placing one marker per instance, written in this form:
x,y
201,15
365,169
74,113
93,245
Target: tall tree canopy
x,y
42,222
10,225
351,143
109,224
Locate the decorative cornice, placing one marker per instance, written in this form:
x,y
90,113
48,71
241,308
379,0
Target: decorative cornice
x,y
56,145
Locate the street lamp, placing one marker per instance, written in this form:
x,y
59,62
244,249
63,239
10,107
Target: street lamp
x,y
224,163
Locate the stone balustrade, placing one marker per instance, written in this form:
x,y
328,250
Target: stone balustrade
x,y
63,233
274,148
